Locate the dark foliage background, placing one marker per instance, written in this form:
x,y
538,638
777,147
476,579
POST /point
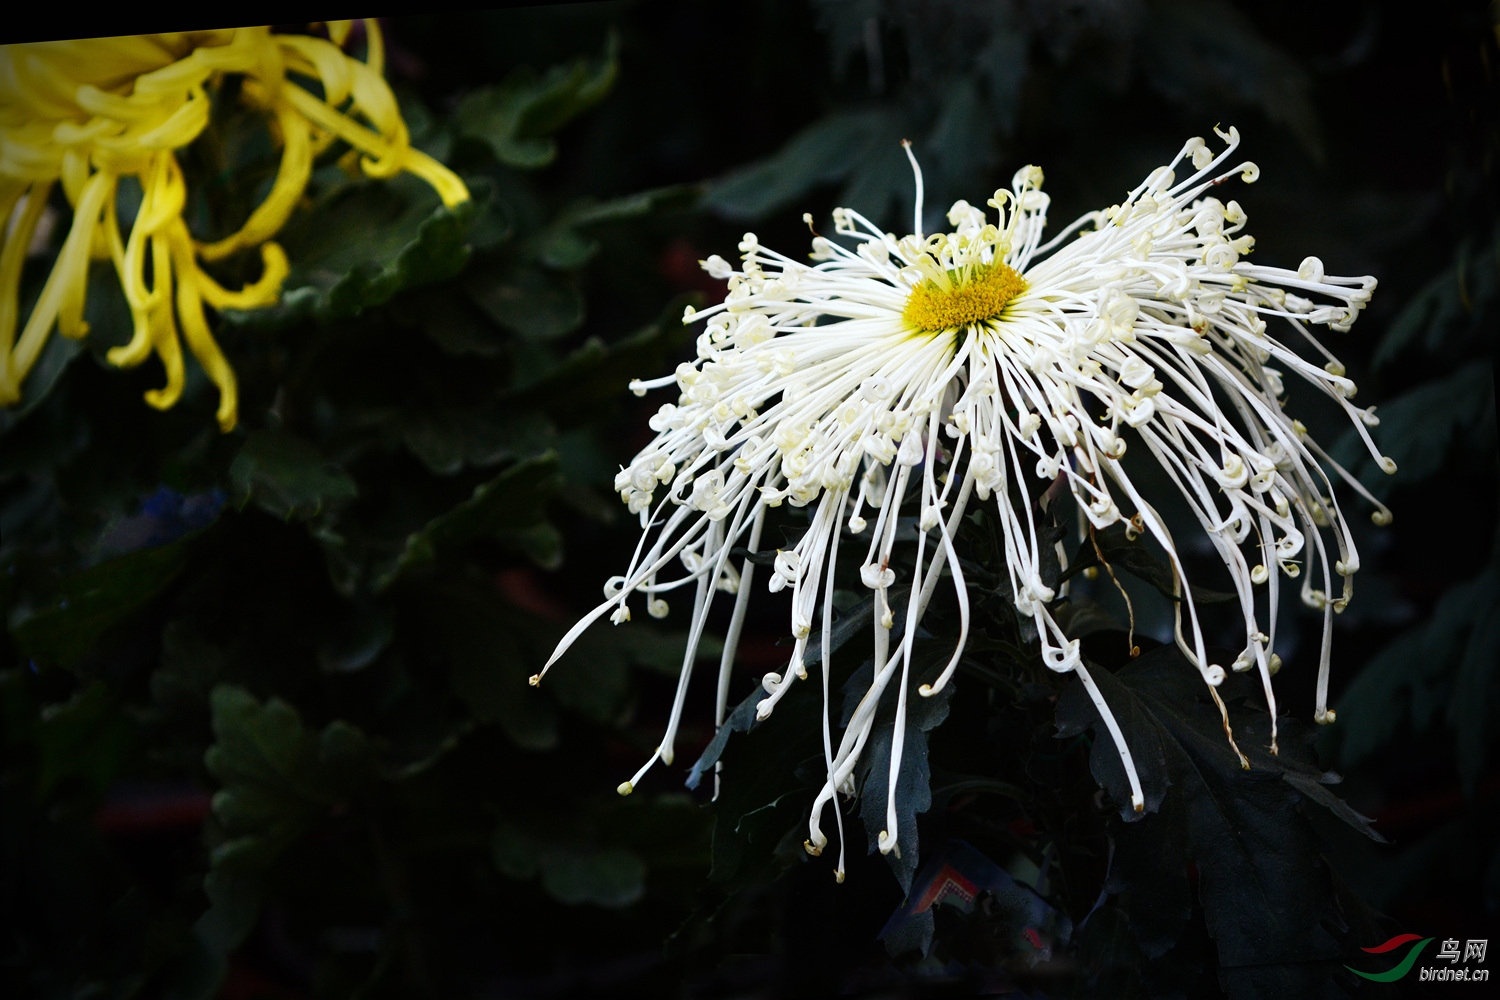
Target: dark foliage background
x,y
266,725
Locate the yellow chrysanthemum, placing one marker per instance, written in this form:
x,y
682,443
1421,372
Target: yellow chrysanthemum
x,y
87,113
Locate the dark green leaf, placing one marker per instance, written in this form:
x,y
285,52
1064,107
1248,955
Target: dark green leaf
x,y
1476,691
609,877
447,440
1411,678
1457,304
99,599
43,378
1137,559
1420,427
913,781
572,874
362,245
531,302
454,324
516,117
355,639
85,739
480,637
286,477
599,371
823,153
512,501
1267,896
1196,49
563,245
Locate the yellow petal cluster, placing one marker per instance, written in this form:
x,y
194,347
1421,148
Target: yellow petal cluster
x,y
85,114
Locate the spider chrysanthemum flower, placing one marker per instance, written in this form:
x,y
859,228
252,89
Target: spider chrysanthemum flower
x,y
88,113
951,368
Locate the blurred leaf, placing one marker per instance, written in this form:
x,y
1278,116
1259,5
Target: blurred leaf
x,y
1198,48
594,677
610,877
270,772
277,779
572,874
287,477
563,244
514,851
517,117
109,323
1450,658
450,321
533,303
823,153
99,599
188,669
1418,429
53,360
356,638
480,636
1457,305
1003,65
234,906
446,440
1475,691
84,739
599,371
513,501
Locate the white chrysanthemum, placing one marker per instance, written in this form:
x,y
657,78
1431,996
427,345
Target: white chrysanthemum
x,y
952,366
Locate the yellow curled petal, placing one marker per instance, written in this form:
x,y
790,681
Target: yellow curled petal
x,y
70,269
182,126
449,187
74,173
70,133
169,349
262,292
291,180
329,120
144,303
445,182
132,267
195,331
119,108
374,46
27,153
163,197
12,256
327,61
374,100
338,31
11,191
183,75
74,293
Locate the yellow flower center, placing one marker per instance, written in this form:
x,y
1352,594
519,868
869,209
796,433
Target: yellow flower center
x,y
965,301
